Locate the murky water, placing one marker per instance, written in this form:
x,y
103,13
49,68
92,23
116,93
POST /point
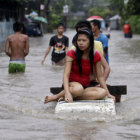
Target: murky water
x,y
24,116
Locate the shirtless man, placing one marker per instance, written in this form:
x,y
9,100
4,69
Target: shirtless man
x,y
17,47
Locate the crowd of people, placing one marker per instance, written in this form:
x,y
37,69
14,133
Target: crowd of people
x,y
86,62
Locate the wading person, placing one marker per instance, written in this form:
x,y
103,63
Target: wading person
x,y
107,30
60,44
80,63
127,30
17,47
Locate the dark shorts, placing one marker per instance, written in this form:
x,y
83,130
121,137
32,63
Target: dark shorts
x,y
128,35
92,84
57,57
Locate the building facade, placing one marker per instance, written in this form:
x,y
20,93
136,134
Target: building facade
x,y
10,11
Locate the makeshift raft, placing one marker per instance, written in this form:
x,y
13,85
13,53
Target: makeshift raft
x,y
106,106
115,90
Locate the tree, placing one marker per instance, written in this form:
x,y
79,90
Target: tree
x,y
117,6
99,11
133,7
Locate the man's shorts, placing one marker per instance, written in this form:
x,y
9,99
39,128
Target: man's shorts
x,y
17,66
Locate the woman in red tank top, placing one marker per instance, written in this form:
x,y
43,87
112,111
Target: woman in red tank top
x,y
80,63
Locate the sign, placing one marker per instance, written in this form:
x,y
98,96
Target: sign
x,y
42,7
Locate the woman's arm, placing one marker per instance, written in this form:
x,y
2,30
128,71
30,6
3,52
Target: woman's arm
x,y
68,65
101,79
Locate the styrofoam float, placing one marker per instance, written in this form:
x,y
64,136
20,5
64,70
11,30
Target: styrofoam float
x,y
106,106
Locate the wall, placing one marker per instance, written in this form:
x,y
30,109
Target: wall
x,y
6,28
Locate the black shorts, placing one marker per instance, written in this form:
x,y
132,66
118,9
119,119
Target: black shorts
x,y
57,57
92,84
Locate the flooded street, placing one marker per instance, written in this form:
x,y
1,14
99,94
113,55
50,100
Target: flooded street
x,y
23,115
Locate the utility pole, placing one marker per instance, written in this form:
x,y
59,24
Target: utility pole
x,y
42,8
65,14
47,4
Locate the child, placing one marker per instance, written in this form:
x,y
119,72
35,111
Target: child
x,y
60,44
80,63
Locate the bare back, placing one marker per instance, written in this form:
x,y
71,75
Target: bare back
x,y
17,46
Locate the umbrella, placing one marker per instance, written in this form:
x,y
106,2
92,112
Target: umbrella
x,y
42,19
95,17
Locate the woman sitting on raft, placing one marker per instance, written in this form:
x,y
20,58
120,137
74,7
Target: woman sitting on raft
x,y
80,63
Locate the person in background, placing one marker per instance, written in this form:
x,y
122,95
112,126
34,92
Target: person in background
x,y
17,47
107,30
96,25
127,30
60,45
80,63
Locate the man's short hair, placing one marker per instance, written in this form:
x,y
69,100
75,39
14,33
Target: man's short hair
x,y
17,26
60,24
96,23
82,24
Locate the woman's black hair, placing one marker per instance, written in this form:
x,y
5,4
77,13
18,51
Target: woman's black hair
x,y
79,53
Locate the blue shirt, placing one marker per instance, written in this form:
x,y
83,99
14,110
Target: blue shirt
x,y
104,40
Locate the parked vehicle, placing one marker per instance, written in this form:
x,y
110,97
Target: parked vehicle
x,y
33,29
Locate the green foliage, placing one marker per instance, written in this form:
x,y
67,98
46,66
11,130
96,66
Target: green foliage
x,y
134,21
56,13
99,11
19,1
72,22
54,20
57,7
77,5
133,7
55,16
117,6
129,11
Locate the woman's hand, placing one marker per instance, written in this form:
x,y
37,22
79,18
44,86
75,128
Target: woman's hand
x,y
68,98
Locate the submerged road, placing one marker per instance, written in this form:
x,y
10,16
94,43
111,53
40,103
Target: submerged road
x,y
24,116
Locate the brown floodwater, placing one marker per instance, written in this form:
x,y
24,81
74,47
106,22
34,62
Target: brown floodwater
x,y
24,116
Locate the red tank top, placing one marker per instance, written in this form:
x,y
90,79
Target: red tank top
x,y
84,78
